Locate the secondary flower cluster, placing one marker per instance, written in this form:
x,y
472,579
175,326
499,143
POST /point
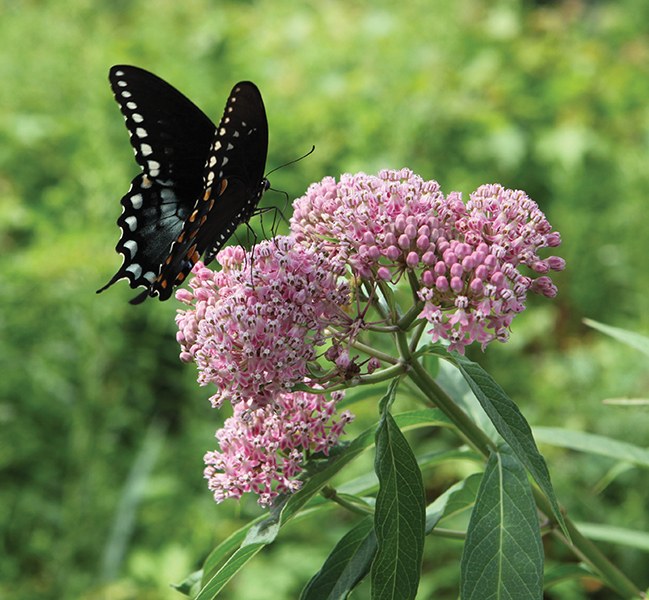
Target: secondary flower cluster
x,y
262,449
464,257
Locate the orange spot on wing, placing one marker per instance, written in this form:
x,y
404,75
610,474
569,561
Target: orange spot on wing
x,y
224,184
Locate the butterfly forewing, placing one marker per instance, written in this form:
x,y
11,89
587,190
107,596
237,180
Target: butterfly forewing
x,y
198,182
233,184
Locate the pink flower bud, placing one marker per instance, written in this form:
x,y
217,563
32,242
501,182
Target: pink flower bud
x,y
373,364
423,242
462,250
404,241
428,279
541,266
374,252
184,295
449,257
482,272
545,287
384,273
186,357
393,253
411,231
442,245
468,262
457,270
429,258
498,278
457,284
556,263
476,286
441,283
491,261
412,260
440,268
553,239
478,257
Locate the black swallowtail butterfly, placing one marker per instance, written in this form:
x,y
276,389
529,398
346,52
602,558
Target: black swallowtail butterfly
x,y
199,182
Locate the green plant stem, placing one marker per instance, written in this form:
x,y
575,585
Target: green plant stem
x,y
382,356
466,427
448,533
411,316
331,493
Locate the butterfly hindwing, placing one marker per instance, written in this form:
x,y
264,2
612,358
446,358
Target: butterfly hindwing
x,y
198,181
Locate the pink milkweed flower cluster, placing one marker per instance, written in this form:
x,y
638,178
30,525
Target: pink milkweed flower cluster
x,y
261,450
253,328
465,257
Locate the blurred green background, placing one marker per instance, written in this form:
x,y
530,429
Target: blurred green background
x,y
103,429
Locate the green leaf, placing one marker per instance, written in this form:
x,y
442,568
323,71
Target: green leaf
x,y
390,395
635,340
453,501
229,570
511,425
615,535
347,565
220,555
595,444
190,585
400,515
503,554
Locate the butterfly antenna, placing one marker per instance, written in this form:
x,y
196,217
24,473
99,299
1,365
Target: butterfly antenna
x,y
291,162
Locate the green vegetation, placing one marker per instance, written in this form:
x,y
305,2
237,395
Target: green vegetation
x,y
102,428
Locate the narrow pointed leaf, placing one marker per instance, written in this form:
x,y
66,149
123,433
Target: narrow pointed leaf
x,y
630,338
615,535
400,516
511,425
346,566
595,444
503,554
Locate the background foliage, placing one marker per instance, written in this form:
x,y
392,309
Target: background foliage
x,y
103,430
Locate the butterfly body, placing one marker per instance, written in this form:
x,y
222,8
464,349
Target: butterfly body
x,y
199,182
